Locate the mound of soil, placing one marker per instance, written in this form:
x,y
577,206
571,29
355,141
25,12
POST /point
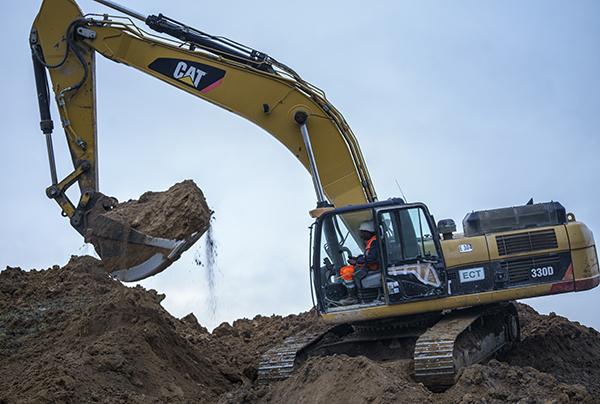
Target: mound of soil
x,y
555,345
75,335
175,214
342,379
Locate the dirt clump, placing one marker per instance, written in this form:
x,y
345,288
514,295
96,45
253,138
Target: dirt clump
x,y
175,214
74,335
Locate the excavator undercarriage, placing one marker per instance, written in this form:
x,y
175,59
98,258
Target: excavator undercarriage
x,y
440,345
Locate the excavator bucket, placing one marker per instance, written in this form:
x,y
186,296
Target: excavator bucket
x,y
138,239
130,255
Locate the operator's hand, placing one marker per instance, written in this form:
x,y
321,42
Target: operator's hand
x,y
352,260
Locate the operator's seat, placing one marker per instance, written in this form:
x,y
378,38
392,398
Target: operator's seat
x,y
372,280
368,285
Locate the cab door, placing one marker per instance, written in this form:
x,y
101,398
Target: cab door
x,y
411,254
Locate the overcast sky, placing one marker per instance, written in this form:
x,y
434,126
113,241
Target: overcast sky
x,y
467,104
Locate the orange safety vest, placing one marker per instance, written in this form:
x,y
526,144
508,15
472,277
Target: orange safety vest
x,y
347,271
373,266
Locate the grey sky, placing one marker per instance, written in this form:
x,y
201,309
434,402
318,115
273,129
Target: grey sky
x,y
468,104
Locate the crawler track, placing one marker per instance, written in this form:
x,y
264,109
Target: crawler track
x,y
278,362
461,339
442,345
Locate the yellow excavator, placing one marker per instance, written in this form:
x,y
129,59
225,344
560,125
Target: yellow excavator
x,y
441,297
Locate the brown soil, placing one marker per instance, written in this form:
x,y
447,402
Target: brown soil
x,y
174,214
74,335
342,379
555,345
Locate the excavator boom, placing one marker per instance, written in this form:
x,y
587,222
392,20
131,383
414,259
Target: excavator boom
x,y
242,80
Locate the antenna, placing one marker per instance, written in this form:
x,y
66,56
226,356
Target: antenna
x,y
401,192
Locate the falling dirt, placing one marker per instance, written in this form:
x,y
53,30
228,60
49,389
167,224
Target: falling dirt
x,y
206,258
175,214
74,335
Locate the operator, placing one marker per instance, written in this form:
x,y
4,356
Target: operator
x,y
369,261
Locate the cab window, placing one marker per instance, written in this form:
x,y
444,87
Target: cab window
x,y
338,241
407,235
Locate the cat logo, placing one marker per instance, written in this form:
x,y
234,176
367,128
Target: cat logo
x,y
199,76
188,74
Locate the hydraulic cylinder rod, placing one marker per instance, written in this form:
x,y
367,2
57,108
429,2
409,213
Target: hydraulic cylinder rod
x,y
301,119
123,9
46,124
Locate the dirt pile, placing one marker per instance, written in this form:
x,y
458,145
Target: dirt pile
x,y
555,345
175,214
75,335
342,379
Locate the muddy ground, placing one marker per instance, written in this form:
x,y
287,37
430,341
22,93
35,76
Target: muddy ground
x,y
73,335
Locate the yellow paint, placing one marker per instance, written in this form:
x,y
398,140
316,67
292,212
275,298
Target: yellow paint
x,y
580,236
243,91
434,305
585,263
51,25
455,258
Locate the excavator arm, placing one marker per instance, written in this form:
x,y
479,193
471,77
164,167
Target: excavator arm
x,y
239,79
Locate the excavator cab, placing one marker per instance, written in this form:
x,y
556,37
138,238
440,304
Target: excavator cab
x,y
410,263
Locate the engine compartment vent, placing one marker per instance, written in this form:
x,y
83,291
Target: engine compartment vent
x,y
519,270
525,242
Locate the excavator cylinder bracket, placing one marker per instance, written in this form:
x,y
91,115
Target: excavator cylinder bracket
x,y
33,37
86,33
52,191
76,219
85,199
85,165
300,117
82,144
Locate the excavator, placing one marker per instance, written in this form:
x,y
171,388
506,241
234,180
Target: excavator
x,y
444,298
